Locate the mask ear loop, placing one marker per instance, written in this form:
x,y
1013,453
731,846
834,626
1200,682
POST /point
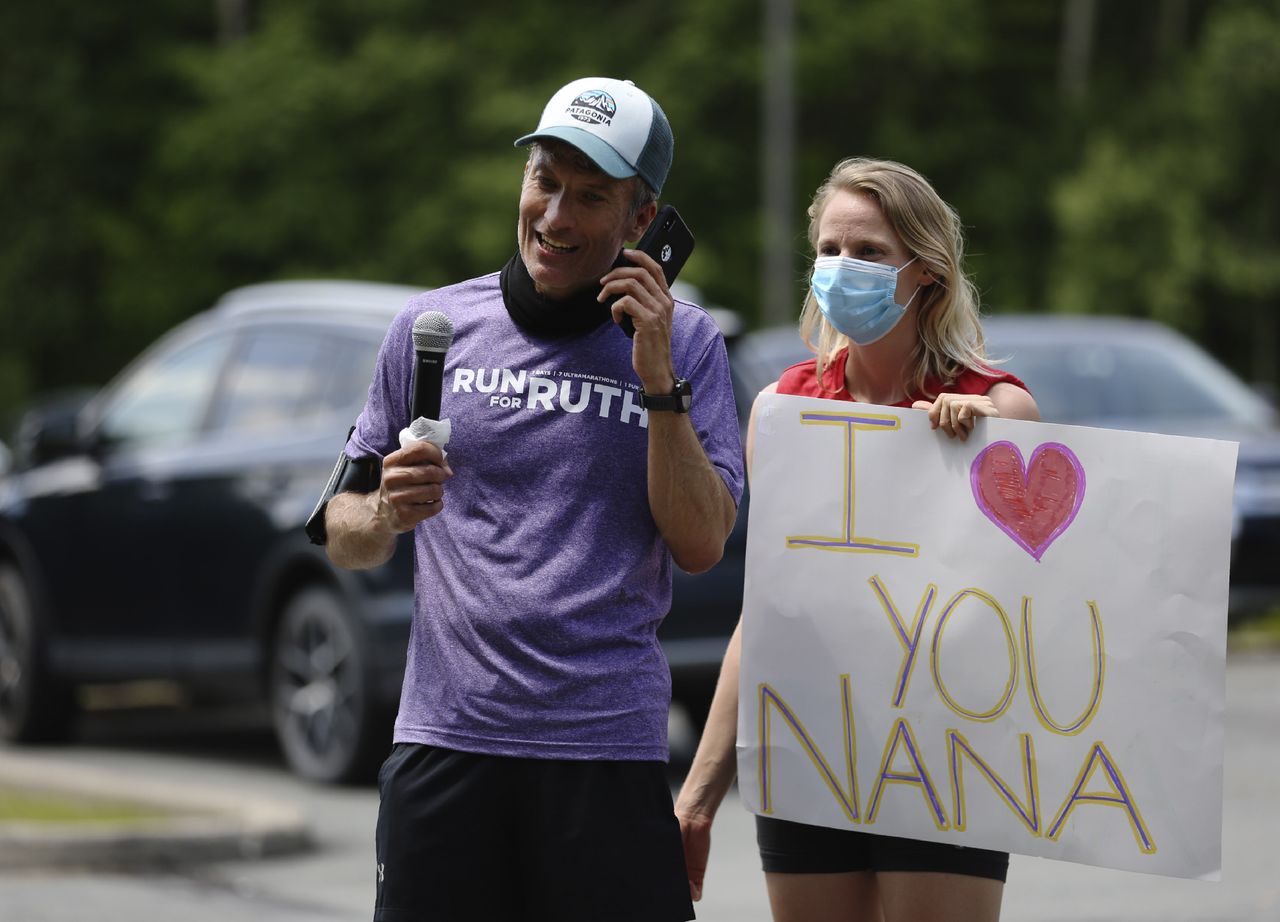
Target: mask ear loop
x,y
898,271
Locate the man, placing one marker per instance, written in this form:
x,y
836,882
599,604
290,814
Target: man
x,y
527,779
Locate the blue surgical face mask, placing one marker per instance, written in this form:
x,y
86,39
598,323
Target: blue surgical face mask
x,y
857,297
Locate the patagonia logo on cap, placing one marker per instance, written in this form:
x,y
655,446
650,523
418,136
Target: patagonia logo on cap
x,y
595,107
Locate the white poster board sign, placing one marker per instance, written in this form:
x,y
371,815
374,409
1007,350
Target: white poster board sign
x,y
1015,642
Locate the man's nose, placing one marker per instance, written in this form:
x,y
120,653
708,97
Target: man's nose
x,y
559,213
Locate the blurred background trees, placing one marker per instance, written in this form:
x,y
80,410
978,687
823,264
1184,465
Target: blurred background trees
x,y
1106,157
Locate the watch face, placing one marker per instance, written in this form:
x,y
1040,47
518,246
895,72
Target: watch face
x,y
683,393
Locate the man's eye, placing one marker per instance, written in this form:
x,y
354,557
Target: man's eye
x,y
828,251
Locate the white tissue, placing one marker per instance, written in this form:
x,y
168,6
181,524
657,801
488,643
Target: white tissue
x,y
435,431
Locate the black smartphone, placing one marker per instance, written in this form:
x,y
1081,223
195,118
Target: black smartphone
x,y
668,242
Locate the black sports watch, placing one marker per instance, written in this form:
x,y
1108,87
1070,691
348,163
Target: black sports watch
x,y
677,401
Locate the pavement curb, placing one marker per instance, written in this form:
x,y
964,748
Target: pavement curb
x,y
202,824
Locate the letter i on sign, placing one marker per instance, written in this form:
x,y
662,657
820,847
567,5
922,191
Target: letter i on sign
x,y
847,541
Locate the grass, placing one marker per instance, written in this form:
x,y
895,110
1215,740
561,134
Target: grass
x,y
1260,633
24,805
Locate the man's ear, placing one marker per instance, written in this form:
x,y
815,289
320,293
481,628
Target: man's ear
x,y
644,217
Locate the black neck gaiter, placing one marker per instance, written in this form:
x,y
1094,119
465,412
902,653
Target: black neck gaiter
x,y
572,316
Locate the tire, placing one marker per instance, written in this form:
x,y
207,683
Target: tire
x,y
34,706
327,722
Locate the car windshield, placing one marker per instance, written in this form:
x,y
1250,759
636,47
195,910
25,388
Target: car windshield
x,y
1103,383
165,398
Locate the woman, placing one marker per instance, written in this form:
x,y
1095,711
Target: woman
x,y
893,321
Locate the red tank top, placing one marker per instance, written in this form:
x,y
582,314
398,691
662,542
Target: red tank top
x,y
801,380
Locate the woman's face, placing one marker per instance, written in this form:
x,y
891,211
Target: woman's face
x,y
853,225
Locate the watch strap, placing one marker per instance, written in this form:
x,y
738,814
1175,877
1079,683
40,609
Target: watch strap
x,y
678,401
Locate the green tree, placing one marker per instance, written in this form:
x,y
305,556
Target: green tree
x,y
1174,211
377,143
158,154
84,90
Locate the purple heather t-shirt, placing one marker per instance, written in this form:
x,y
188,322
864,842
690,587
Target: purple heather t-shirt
x,y
540,585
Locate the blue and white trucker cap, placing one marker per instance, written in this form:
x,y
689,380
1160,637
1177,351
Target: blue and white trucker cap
x,y
615,123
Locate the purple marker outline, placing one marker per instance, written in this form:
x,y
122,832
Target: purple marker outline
x,y
1121,798
767,694
847,543
1024,468
911,643
956,742
883,422
1099,672
902,732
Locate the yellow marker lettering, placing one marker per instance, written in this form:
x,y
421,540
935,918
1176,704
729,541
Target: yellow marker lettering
x,y
917,776
771,701
847,541
908,635
1027,813
1117,795
1033,684
1012,648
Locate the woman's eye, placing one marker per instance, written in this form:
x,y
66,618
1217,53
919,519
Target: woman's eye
x,y
828,250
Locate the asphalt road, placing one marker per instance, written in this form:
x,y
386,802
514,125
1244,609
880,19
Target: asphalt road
x,y
335,881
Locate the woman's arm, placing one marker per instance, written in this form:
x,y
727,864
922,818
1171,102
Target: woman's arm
x,y
715,763
713,769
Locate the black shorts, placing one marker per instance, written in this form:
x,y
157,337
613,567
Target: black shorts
x,y
463,836
797,848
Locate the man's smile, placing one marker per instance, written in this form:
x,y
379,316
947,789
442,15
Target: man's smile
x,y
553,245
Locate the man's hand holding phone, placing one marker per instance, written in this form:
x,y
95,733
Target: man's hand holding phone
x,y
667,242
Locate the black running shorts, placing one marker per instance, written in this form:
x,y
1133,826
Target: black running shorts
x,y
473,837
798,848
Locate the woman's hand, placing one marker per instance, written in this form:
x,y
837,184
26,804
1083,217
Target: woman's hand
x,y
955,414
695,831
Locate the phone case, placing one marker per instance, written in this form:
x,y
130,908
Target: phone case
x,y
668,241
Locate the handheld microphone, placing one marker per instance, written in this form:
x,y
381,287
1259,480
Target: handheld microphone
x,y
432,336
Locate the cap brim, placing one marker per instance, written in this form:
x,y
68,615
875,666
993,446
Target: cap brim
x,y
600,153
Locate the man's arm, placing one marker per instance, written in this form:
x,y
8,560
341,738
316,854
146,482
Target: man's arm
x,y
362,527
692,506
687,496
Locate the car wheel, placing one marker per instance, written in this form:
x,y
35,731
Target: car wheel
x,y
321,684
34,706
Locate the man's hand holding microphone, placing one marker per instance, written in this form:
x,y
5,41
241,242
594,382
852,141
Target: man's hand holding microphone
x,y
413,478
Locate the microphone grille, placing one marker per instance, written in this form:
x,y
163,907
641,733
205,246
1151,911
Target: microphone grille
x,y
432,331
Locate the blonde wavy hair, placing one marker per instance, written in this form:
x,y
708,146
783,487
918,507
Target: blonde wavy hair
x,y
949,336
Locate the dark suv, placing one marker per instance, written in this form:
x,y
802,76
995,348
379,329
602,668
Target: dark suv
x,y
155,532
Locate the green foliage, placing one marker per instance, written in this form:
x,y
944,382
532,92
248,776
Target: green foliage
x,y
23,805
1174,210
148,166
82,96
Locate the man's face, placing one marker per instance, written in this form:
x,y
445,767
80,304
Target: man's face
x,y
573,221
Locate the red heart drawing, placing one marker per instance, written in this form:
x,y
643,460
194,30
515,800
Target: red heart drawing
x,y
1032,504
